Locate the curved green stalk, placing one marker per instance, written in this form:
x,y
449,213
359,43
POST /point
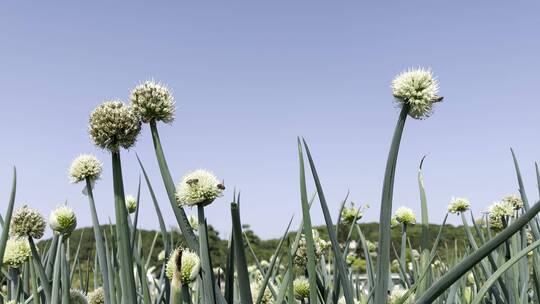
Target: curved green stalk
x,y
179,212
383,253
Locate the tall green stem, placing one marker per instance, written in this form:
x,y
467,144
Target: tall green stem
x,y
404,249
102,255
129,292
383,254
179,212
208,282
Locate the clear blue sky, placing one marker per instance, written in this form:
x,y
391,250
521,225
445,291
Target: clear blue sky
x,y
250,76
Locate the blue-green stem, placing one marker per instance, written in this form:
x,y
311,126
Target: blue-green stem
x,y
383,254
129,291
100,248
179,212
208,283
13,283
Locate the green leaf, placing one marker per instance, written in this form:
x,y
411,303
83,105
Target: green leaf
x,y
241,264
464,266
308,233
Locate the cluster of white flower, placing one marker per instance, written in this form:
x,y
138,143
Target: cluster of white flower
x,y
183,266
198,187
458,205
404,215
301,258
418,89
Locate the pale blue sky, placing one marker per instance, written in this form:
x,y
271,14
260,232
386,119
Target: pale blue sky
x,y
250,76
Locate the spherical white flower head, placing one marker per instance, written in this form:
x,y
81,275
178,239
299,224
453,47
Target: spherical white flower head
x,y
198,187
470,279
405,215
350,214
498,212
63,220
458,205
77,296
267,297
183,266
153,101
27,222
113,125
17,252
418,89
301,288
131,204
85,166
161,256
97,296
300,257
371,246
398,293
514,200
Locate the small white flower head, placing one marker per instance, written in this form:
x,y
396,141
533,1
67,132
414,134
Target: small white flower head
x,y
300,257
113,125
301,288
198,187
415,254
193,222
513,200
131,204
351,258
371,246
397,293
267,297
393,222
350,214
458,205
77,296
63,220
418,89
97,296
183,266
27,222
17,252
405,215
85,166
530,237
498,213
470,279
161,256
153,101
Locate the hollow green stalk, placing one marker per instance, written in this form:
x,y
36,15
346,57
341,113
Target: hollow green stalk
x,y
100,248
129,291
383,254
179,212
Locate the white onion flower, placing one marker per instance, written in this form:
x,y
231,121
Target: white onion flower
x,y
85,166
153,101
458,205
63,220
113,125
418,89
198,187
